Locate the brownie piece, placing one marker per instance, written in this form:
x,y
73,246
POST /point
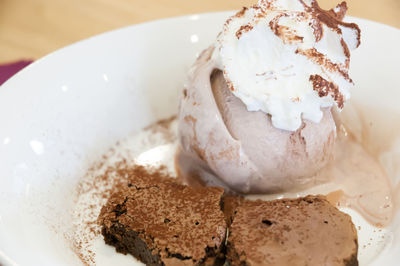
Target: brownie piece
x,y
304,231
161,222
230,204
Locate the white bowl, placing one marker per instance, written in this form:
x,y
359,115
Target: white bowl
x,y
63,111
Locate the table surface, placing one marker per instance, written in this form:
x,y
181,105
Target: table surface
x,y
33,28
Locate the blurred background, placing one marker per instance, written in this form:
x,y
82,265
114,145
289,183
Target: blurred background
x,y
30,29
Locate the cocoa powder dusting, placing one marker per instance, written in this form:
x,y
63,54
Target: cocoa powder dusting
x,y
109,174
243,29
163,126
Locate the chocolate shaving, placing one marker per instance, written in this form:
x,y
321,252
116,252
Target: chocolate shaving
x,y
331,18
317,28
241,12
284,32
321,59
341,11
325,88
346,51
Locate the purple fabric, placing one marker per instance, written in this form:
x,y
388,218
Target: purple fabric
x,y
8,70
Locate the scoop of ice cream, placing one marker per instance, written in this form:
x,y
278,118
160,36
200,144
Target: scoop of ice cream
x,y
288,58
247,124
241,150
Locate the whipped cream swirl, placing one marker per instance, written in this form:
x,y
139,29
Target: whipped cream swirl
x,y
288,58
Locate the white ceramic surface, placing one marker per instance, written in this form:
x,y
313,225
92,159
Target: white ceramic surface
x,y
63,111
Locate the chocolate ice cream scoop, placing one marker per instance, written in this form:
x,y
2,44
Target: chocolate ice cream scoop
x,y
226,145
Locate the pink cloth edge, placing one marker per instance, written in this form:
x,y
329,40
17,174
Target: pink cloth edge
x,y
10,69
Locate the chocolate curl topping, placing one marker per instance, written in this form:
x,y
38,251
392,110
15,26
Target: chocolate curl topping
x,y
339,11
325,88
